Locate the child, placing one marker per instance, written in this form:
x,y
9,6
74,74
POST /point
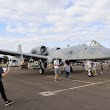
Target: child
x,y
67,69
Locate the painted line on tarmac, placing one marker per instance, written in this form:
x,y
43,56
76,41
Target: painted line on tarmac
x,y
25,82
50,76
81,81
50,93
72,80
53,77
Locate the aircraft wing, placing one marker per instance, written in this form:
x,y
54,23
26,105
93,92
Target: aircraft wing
x,y
35,56
25,55
81,59
12,53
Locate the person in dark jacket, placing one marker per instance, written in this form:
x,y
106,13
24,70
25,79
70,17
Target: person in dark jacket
x,y
2,91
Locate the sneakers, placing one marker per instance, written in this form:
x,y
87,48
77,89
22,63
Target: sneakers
x,y
101,73
70,77
56,80
9,102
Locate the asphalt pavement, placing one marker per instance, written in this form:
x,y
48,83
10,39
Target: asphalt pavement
x,y
33,91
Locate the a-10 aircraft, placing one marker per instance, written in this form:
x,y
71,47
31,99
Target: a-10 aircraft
x,y
73,53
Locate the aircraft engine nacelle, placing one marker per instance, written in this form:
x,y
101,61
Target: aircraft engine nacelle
x,y
41,50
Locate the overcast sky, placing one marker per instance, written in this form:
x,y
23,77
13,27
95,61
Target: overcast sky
x,y
53,23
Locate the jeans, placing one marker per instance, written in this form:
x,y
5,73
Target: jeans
x,y
2,92
67,74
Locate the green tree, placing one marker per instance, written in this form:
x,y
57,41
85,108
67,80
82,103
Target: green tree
x,y
5,59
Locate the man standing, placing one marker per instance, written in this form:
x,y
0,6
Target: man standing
x,y
101,65
56,69
108,64
2,91
94,68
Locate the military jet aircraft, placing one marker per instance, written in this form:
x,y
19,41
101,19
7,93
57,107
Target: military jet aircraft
x,y
94,51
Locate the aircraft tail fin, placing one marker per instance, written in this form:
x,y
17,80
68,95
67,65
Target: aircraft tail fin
x,y
19,48
20,51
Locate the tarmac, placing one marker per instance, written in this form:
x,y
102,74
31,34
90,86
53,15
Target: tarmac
x,y
33,91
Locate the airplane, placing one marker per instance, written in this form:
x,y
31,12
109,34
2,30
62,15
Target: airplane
x,y
77,53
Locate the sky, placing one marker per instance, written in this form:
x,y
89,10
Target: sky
x,y
53,23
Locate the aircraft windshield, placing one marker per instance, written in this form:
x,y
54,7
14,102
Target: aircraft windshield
x,y
95,44
92,43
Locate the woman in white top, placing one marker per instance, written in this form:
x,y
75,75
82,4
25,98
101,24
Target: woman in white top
x,y
56,69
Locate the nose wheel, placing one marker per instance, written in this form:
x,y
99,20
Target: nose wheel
x,y
90,74
41,70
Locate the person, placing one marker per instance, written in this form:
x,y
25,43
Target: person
x,y
101,65
94,68
108,64
67,69
85,65
56,69
2,91
89,68
7,64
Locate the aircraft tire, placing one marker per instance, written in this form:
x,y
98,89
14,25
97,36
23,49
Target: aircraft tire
x,y
90,74
41,70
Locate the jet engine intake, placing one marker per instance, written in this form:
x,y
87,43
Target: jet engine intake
x,y
41,50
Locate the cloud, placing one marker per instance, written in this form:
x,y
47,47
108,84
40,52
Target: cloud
x,y
53,22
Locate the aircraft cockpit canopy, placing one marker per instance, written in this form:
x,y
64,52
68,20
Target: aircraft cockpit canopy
x,y
92,43
95,44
